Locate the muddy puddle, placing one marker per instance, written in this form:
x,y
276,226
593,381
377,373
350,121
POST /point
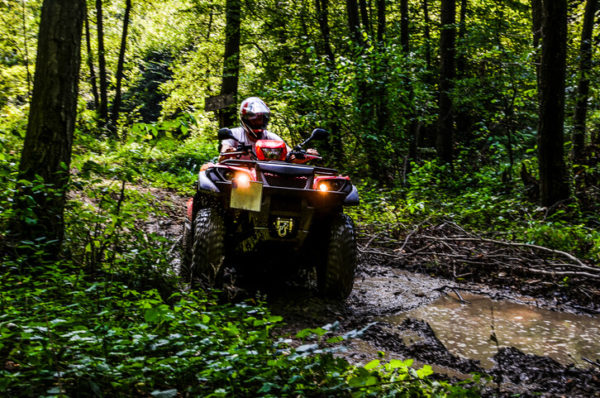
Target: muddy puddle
x,y
467,324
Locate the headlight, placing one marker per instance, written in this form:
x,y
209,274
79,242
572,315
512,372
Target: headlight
x,y
241,180
272,153
329,185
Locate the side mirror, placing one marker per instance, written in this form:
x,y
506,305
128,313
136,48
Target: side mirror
x,y
319,134
225,134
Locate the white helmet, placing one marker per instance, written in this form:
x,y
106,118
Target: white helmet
x,y
254,115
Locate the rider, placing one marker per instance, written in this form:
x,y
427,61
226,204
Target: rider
x,y
254,117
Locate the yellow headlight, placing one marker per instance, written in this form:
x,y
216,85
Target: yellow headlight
x,y
323,187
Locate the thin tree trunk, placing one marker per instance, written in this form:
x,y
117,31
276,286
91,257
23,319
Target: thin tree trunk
x,y
426,34
47,147
380,21
404,43
364,97
536,27
353,22
26,50
103,106
120,64
231,59
322,7
90,60
583,86
364,15
461,59
381,94
445,133
554,185
463,121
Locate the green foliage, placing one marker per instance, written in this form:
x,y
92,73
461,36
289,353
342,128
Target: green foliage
x,y
478,199
62,333
110,318
163,154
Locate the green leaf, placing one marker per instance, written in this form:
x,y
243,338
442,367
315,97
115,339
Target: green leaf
x,y
372,365
424,371
164,394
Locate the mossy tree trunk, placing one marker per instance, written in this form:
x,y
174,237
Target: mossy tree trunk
x,y
47,148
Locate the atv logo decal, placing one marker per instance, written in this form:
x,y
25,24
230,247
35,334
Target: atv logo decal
x,y
284,226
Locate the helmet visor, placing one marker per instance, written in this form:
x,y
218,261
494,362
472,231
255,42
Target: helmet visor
x,y
257,120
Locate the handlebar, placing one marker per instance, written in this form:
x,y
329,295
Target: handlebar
x,y
301,156
239,151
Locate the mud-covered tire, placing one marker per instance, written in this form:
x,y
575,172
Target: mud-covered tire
x,y
335,276
208,250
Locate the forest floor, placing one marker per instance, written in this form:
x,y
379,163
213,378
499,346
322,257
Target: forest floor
x,y
524,317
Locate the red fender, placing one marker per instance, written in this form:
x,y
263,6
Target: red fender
x,y
190,208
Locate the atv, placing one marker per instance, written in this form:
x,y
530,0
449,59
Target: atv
x,y
271,203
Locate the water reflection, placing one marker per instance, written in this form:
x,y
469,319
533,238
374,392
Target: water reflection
x,y
465,329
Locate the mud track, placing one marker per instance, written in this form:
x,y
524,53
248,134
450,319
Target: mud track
x,y
389,283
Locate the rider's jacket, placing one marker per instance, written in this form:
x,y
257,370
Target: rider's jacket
x,y
241,137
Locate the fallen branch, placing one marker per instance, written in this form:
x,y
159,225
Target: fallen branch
x,y
563,273
579,264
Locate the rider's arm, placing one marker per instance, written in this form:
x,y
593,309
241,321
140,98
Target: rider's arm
x,y
226,146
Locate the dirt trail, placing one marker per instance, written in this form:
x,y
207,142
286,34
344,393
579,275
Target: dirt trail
x,y
386,287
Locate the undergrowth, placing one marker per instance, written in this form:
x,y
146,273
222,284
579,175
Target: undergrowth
x,y
480,201
65,333
111,319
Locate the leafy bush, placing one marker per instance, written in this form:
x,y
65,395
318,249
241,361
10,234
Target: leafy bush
x,y
64,333
111,320
478,200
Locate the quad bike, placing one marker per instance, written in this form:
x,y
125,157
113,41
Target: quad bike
x,y
271,203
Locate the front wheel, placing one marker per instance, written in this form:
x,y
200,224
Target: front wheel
x,y
335,276
208,250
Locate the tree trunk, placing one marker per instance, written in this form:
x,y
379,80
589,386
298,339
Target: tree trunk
x,y
461,59
231,60
365,97
381,68
364,15
90,60
322,7
353,23
426,34
445,133
583,86
404,43
380,21
554,186
463,120
103,106
117,100
536,26
47,148
26,50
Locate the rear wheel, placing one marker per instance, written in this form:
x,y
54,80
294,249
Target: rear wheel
x,y
335,276
208,253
